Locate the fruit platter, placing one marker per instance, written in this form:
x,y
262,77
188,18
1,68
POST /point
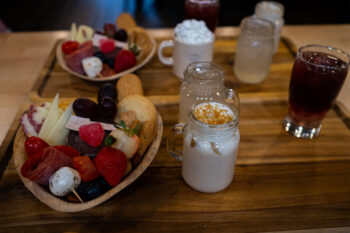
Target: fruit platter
x,y
107,54
75,154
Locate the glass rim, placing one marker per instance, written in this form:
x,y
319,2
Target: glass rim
x,y
231,124
330,48
249,22
192,66
260,5
216,2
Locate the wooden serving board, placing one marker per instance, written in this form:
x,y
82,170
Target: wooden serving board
x,y
158,80
264,141
280,183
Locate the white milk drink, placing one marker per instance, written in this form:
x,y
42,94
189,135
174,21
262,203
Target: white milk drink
x,y
210,146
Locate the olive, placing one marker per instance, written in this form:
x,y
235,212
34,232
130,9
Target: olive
x,y
107,107
121,35
84,107
107,90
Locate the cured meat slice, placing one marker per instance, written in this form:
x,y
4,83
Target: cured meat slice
x,y
74,59
44,163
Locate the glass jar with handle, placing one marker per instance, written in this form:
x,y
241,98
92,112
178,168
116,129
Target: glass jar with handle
x,y
210,145
272,11
254,50
203,81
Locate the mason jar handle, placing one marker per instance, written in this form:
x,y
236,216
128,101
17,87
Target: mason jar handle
x,y
171,139
165,60
232,98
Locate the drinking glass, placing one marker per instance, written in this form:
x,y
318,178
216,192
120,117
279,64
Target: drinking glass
x,y
206,10
203,81
254,50
317,77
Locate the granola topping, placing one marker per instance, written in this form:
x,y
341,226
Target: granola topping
x,y
213,113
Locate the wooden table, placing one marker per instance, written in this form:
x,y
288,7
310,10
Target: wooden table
x,y
281,183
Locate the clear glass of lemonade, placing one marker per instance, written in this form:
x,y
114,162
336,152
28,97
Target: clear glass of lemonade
x,y
254,50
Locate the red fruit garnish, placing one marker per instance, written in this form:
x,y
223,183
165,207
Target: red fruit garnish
x,y
107,45
68,150
33,145
92,134
111,163
86,168
124,60
107,71
69,47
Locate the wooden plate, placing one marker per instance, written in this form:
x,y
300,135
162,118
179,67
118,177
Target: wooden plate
x,y
61,205
138,65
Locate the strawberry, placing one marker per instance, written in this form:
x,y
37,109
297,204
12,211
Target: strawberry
x,y
124,60
111,163
68,150
92,134
86,168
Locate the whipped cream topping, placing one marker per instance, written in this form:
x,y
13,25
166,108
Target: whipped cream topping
x,y
193,32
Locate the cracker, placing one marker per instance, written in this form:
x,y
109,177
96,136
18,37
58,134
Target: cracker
x,y
129,84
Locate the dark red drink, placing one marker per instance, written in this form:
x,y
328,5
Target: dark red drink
x,y
206,10
316,80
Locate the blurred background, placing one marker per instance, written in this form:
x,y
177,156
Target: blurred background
x,y
44,15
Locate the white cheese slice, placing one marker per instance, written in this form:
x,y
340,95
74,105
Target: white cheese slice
x,y
58,133
51,118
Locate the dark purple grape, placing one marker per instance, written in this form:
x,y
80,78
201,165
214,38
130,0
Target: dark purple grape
x,y
121,35
109,29
107,90
107,107
84,107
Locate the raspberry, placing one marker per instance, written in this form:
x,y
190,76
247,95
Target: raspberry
x,y
92,134
107,45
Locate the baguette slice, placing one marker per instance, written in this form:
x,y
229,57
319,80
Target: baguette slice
x,y
129,84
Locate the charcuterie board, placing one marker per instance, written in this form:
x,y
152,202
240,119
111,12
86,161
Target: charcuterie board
x,y
56,203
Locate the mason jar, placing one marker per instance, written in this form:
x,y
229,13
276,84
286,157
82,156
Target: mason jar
x,y
209,147
254,50
203,81
272,11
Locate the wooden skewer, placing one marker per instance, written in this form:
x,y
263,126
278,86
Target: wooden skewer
x,y
77,195
99,75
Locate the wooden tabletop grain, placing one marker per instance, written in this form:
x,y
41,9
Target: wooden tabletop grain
x,y
281,184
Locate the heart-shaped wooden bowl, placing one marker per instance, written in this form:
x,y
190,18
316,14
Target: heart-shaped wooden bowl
x,y
61,205
138,65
